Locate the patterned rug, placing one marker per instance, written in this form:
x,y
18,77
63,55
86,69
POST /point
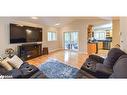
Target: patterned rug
x,y
53,68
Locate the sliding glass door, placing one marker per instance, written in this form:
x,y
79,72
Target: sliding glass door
x,y
71,41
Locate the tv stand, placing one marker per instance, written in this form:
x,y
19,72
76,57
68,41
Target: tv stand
x,y
29,51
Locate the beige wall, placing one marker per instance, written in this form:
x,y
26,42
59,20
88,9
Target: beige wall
x,y
4,35
123,33
115,32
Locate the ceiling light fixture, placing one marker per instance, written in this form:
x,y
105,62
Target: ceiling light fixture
x,y
57,24
34,17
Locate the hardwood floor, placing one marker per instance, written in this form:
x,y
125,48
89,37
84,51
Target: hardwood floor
x,y
72,58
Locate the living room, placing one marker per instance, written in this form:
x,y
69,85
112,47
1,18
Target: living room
x,y
56,41
63,47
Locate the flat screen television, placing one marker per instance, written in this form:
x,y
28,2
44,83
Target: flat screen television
x,y
24,34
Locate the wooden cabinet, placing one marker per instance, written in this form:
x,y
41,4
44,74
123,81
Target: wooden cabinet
x,y
92,48
29,51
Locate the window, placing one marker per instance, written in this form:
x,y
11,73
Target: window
x,y
99,35
52,36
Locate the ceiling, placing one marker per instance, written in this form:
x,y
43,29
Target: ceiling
x,y
52,21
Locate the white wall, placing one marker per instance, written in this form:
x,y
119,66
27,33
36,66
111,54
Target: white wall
x,y
123,32
4,35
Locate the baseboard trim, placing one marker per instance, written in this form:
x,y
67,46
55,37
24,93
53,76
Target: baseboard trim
x,y
54,50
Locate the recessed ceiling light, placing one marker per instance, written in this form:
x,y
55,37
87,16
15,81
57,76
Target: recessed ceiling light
x,y
57,24
34,17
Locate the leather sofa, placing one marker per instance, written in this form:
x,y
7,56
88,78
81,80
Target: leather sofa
x,y
25,71
113,66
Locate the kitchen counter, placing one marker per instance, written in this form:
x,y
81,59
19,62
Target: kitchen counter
x,y
107,40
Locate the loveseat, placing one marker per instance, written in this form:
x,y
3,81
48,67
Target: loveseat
x,y
113,66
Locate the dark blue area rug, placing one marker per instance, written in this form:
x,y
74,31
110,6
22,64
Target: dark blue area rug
x,y
52,68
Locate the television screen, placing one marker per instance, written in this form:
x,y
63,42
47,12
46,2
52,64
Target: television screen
x,y
23,34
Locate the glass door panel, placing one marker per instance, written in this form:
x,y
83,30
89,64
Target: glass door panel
x,y
71,41
67,40
74,41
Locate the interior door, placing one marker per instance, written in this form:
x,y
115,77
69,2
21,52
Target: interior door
x,y
71,41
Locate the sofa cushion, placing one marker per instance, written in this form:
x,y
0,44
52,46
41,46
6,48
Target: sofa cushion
x,y
5,64
113,56
15,61
120,68
15,73
103,68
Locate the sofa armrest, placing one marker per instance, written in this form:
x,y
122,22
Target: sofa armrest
x,y
28,70
25,64
15,73
104,69
97,58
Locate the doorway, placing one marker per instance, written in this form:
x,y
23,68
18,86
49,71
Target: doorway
x,y
71,41
103,38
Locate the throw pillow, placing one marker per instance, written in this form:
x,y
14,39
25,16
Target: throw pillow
x,y
15,61
4,63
